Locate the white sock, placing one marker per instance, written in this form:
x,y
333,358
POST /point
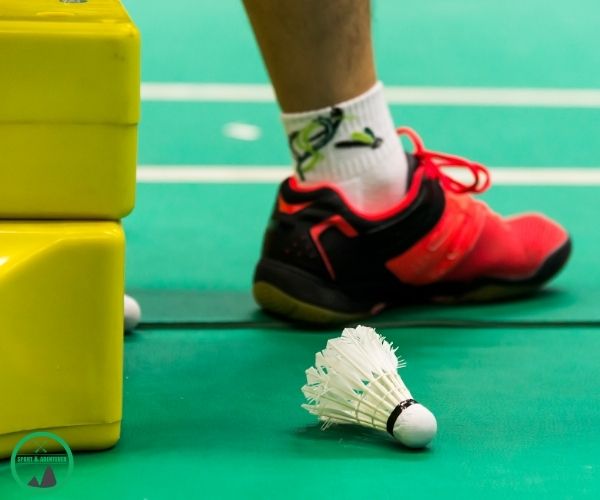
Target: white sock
x,y
354,146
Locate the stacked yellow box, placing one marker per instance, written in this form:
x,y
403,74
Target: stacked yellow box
x,y
69,108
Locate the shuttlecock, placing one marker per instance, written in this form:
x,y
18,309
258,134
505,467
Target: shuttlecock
x,y
355,380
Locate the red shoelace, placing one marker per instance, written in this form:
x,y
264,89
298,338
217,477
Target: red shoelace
x,y
434,163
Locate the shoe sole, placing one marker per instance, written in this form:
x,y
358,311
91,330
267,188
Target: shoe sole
x,y
311,300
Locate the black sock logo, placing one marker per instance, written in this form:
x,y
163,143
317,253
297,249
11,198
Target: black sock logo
x,y
306,142
363,139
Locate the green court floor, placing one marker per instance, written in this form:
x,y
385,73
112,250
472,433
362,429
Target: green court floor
x,y
212,385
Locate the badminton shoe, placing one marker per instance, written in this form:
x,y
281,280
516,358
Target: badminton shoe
x,y
323,261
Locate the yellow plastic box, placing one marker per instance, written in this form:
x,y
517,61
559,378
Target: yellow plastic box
x,y
61,332
69,108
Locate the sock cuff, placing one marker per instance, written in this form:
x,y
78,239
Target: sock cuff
x,y
307,115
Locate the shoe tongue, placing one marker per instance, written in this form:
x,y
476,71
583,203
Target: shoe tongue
x,y
412,164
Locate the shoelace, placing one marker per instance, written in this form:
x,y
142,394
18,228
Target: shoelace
x,y
434,162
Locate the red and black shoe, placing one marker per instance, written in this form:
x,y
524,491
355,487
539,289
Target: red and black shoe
x,y
323,261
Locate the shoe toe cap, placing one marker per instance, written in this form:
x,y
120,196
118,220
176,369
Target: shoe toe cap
x,y
540,236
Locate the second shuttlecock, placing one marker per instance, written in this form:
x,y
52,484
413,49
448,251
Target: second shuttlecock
x,y
355,380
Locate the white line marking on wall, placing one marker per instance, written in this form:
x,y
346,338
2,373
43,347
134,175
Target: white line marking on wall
x,y
423,96
254,174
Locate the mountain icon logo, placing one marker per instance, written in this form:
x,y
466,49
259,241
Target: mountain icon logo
x,y
48,481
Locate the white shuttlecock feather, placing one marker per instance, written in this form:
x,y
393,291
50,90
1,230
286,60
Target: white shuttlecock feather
x,y
355,380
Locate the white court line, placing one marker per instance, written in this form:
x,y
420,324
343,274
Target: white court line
x,y
253,174
424,96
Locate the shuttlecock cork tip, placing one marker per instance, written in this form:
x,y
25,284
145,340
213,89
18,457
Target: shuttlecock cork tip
x,y
414,425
